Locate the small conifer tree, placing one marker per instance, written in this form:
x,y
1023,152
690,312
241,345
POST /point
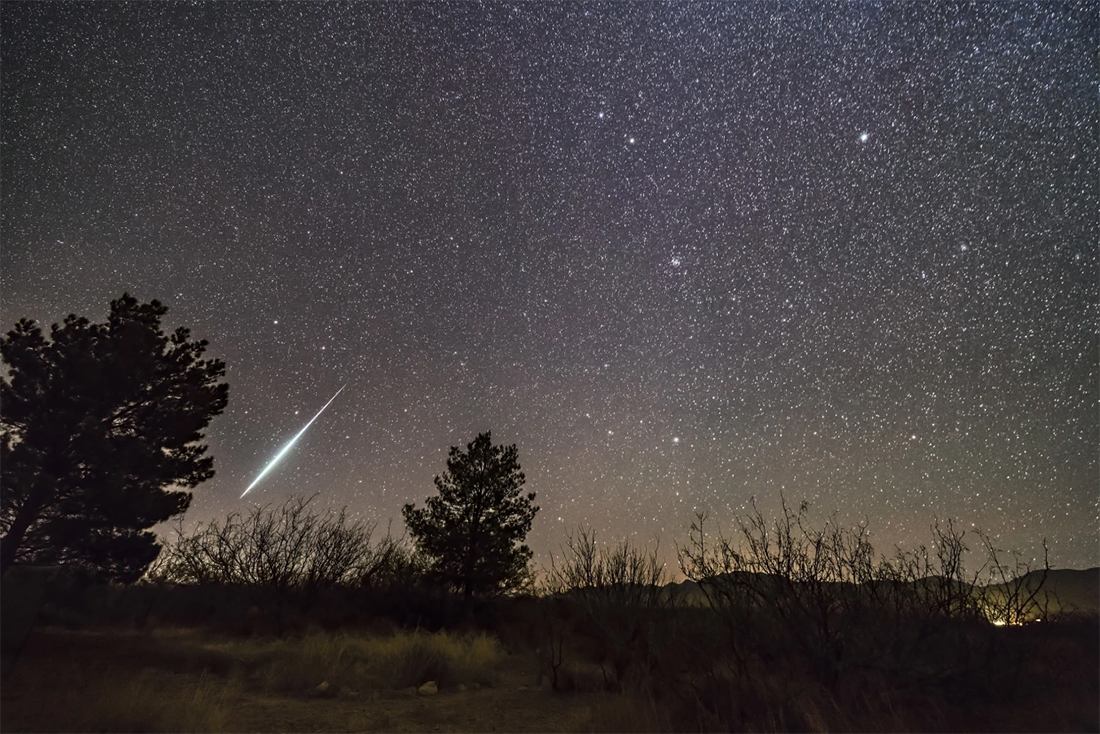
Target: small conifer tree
x,y
473,530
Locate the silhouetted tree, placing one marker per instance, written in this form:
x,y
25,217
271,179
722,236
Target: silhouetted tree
x,y
473,530
101,424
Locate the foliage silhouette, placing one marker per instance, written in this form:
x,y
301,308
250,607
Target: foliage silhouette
x,y
470,530
626,605
288,546
816,599
101,430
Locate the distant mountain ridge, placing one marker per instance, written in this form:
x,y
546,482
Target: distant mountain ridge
x,y
1075,590
1067,589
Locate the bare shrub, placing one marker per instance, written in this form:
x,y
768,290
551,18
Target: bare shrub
x,y
815,600
288,546
794,587
1016,594
623,597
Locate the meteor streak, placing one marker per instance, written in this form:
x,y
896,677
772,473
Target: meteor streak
x,y
289,444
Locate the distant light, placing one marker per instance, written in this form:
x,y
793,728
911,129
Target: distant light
x,y
864,137
632,141
600,115
675,439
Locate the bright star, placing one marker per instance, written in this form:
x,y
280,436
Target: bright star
x,y
864,137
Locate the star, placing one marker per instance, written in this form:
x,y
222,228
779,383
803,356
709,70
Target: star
x,y
477,251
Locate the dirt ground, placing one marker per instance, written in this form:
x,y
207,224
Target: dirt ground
x,y
58,670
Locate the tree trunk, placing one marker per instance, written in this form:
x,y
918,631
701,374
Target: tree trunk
x,y
24,518
467,602
11,542
468,571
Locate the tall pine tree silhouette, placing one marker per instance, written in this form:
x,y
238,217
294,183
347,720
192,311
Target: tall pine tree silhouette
x,y
101,429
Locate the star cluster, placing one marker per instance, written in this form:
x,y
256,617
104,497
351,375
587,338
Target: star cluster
x,y
684,255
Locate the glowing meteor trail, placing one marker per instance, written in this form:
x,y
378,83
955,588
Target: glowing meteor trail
x,y
290,443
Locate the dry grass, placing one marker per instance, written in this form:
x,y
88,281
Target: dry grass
x,y
139,705
150,701
618,713
350,662
180,680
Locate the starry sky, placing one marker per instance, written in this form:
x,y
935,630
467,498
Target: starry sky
x,y
683,254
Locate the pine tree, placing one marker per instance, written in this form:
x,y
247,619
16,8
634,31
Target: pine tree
x,y
101,426
474,528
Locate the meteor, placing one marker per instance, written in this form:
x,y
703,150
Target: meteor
x,y
289,444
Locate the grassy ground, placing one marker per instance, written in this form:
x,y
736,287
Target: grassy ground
x,y
173,679
184,680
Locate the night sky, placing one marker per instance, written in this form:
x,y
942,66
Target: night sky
x,y
682,254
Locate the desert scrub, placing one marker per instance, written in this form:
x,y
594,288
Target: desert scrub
x,y
355,662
